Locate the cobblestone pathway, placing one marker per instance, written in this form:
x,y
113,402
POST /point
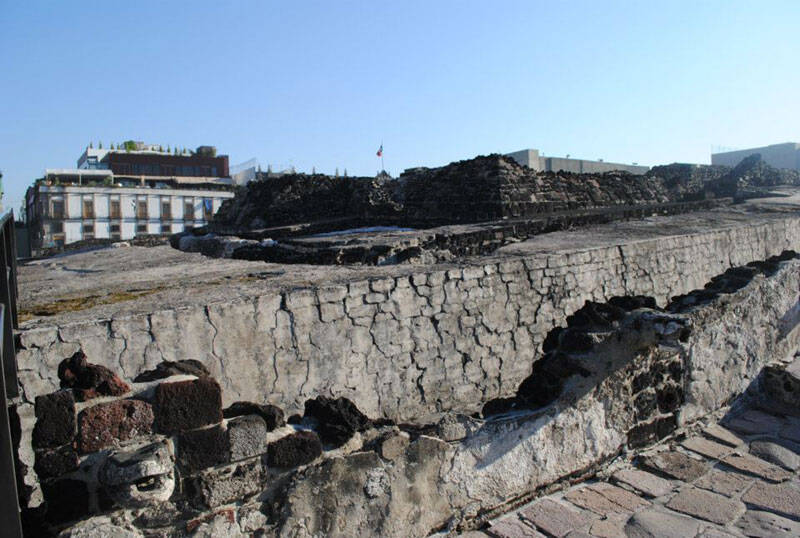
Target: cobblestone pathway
x,y
740,479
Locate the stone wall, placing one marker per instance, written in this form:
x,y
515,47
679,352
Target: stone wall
x,y
630,375
409,345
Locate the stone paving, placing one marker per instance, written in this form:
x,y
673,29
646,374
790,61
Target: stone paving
x,y
736,478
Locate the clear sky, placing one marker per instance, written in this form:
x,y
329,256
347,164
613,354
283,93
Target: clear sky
x,y
321,84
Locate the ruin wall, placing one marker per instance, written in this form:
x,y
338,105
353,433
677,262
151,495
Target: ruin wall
x,y
402,347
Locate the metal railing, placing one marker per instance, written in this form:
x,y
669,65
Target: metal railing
x,y
9,501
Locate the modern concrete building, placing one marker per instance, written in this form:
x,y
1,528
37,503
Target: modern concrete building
x,y
786,155
103,199
532,159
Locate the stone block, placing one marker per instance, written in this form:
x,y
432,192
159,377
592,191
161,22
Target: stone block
x,y
589,499
272,414
338,419
141,476
675,465
555,518
780,498
55,420
186,405
722,435
707,448
170,368
67,500
89,380
647,483
222,485
654,522
513,527
766,525
51,463
776,453
199,449
622,497
728,483
247,436
294,450
108,424
757,467
706,505
393,445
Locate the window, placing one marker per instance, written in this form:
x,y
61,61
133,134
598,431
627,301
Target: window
x,y
115,229
208,209
166,209
57,227
88,208
58,209
141,209
88,231
166,228
141,228
188,210
114,209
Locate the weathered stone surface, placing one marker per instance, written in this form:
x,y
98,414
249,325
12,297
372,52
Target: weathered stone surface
x,y
108,424
706,505
67,500
186,405
51,463
675,464
88,380
338,419
555,518
776,453
394,444
757,467
293,450
753,422
779,498
760,524
590,499
139,476
272,415
622,497
722,435
512,527
728,483
655,523
199,449
247,436
649,484
222,485
611,527
99,527
166,369
55,420
453,427
706,448
222,523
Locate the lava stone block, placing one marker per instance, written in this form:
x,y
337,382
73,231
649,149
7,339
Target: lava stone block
x,y
51,463
338,419
67,500
247,436
55,420
186,405
293,450
203,448
272,415
107,424
89,380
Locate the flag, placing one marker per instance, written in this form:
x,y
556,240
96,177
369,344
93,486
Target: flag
x,y
380,151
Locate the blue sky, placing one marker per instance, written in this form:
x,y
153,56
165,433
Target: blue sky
x,y
321,84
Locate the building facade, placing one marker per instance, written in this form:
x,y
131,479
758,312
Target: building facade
x,y
532,159
786,155
102,199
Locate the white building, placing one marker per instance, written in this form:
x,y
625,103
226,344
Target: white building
x,y
94,202
786,155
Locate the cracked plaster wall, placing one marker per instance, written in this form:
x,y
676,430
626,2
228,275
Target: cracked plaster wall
x,y
402,347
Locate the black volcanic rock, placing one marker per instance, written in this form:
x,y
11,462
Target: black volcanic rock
x,y
272,415
338,419
169,368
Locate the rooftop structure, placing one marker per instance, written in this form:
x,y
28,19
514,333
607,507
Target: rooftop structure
x,y
533,160
785,155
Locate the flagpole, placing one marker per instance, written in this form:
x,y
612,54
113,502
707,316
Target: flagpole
x,y
383,169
